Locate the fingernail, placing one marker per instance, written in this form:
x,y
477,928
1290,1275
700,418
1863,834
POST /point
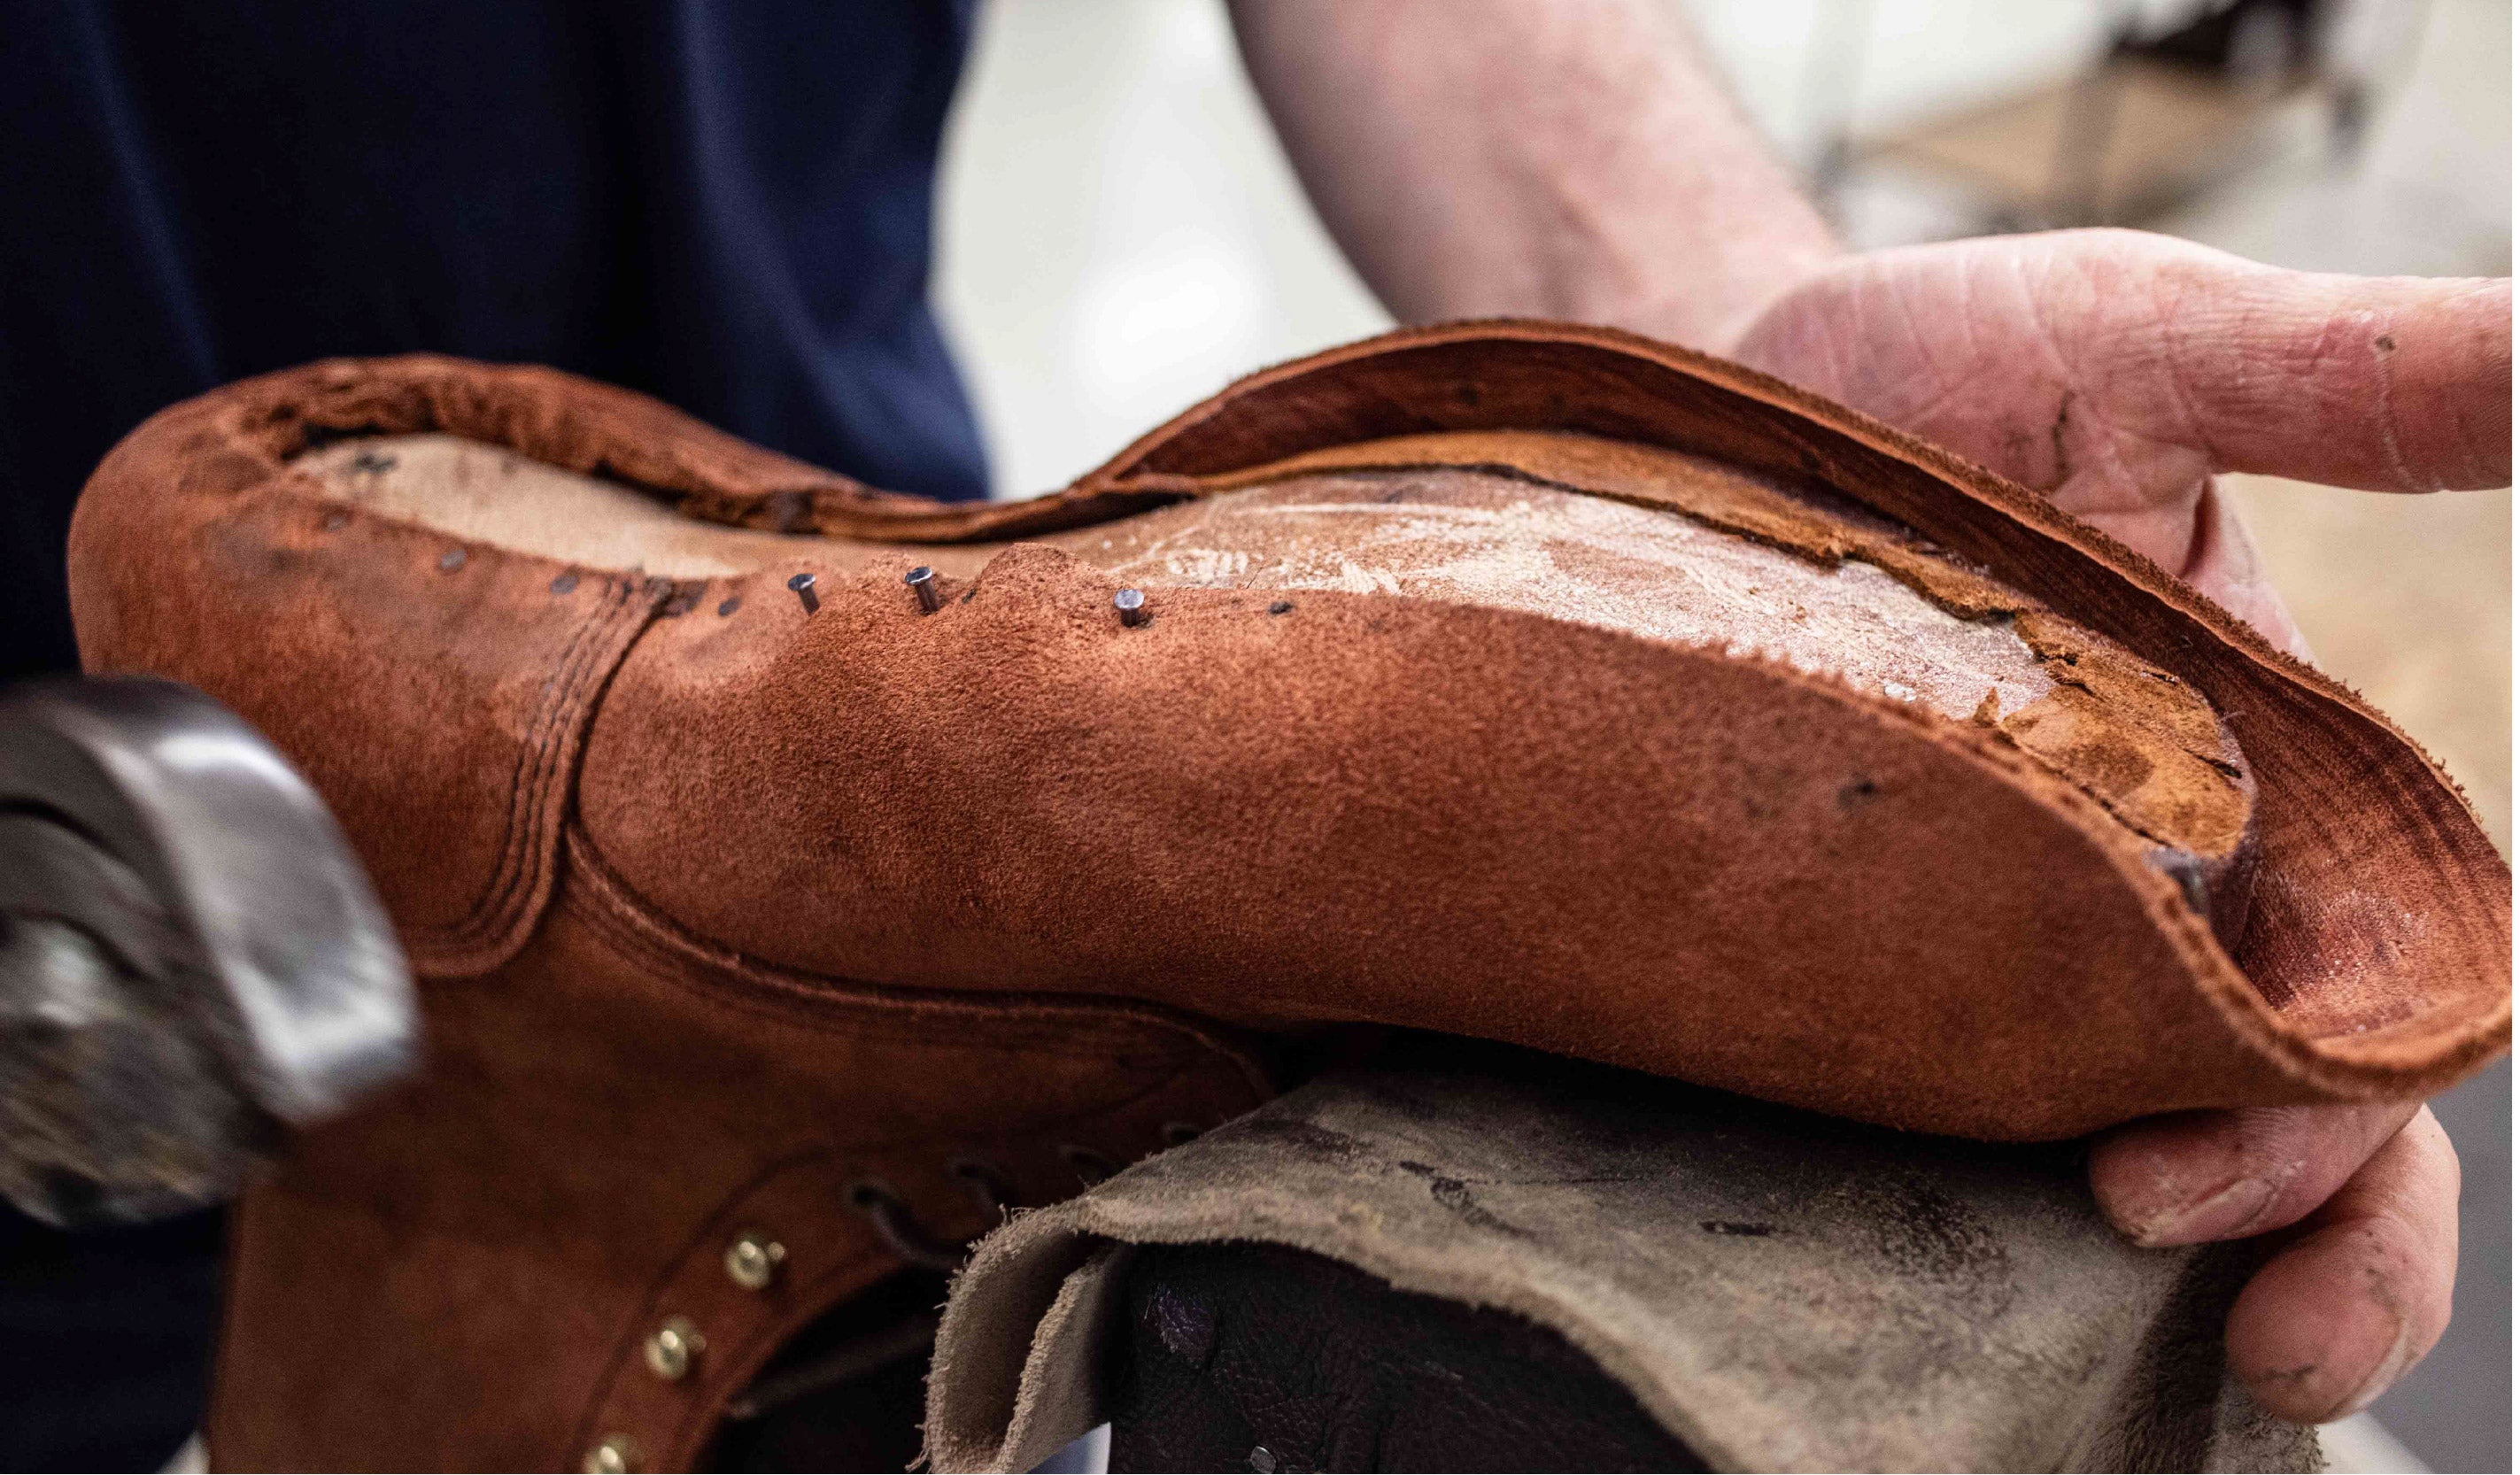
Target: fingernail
x,y
2374,1340
2221,1214
2384,1373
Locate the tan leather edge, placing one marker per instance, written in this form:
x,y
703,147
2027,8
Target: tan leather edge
x,y
706,472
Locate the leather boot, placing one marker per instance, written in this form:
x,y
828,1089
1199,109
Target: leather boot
x,y
800,873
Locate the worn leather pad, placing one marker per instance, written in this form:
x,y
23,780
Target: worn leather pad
x,y
1775,1290
1262,1357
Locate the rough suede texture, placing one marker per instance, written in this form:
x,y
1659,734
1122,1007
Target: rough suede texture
x,y
861,891
461,1277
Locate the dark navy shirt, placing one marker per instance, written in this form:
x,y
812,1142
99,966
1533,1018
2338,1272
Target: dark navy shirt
x,y
722,203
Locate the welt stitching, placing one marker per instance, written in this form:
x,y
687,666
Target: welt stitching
x,y
556,725
680,973
472,924
800,1007
538,757
1050,1022
662,938
550,729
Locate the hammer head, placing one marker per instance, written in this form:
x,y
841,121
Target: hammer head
x,y
191,961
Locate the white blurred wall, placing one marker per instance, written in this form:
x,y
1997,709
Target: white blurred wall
x,y
1120,233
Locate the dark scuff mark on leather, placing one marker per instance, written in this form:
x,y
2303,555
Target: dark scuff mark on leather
x,y
1926,1234
1454,1194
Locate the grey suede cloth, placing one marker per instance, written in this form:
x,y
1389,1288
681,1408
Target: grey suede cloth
x,y
1779,1290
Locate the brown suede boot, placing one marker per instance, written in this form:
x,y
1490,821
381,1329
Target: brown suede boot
x,y
799,873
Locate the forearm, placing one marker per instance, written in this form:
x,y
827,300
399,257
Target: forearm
x,y
1531,157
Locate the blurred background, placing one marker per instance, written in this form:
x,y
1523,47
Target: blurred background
x,y
1120,236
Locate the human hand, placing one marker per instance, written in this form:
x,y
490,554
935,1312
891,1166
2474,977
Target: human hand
x,y
2117,371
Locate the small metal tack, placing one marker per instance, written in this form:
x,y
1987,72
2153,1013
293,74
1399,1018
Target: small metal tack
x,y
923,582
451,560
729,605
2187,873
803,584
1132,604
563,584
2192,887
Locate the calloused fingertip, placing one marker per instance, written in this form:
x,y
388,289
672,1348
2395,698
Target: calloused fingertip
x,y
2322,1329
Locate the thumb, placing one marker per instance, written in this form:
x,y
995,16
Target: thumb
x,y
2387,384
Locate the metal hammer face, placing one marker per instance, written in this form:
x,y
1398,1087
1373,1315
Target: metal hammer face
x,y
191,959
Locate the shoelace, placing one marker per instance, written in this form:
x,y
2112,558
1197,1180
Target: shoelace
x,y
902,1232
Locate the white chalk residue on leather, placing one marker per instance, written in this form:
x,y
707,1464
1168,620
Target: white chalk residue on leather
x,y
1477,539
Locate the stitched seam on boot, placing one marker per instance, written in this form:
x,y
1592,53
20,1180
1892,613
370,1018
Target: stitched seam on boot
x,y
498,921
624,920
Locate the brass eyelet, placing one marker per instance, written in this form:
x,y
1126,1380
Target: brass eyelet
x,y
673,1347
752,1260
